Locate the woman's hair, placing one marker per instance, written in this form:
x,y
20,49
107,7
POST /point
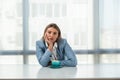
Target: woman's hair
x,y
55,26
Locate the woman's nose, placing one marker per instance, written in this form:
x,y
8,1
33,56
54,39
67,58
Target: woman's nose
x,y
51,35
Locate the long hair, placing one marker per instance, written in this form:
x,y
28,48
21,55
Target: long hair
x,y
55,26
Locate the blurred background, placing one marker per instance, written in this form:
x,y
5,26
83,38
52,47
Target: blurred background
x,y
91,27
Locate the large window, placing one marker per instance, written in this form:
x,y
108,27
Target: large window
x,y
109,24
74,17
91,27
109,28
11,25
11,31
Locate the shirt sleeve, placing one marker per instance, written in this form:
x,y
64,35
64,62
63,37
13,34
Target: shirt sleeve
x,y
42,56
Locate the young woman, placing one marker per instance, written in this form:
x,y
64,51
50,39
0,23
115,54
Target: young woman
x,y
53,47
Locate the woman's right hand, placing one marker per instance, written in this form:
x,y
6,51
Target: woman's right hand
x,y
49,42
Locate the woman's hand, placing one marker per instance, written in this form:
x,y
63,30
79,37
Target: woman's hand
x,y
49,42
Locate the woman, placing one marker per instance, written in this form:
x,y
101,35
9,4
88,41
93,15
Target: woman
x,y
53,47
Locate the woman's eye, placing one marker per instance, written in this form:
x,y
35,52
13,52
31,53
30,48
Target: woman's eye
x,y
49,32
55,33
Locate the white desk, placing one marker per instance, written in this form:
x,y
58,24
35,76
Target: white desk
x,y
81,72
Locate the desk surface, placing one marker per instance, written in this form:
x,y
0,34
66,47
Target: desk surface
x,y
100,71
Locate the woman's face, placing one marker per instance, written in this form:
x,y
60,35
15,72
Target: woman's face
x,y
51,34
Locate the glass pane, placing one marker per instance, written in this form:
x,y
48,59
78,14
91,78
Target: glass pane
x,y
32,59
109,24
110,58
11,25
74,17
11,59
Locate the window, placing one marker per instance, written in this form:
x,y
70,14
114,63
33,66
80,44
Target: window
x,y
74,17
109,28
11,25
109,24
87,28
11,31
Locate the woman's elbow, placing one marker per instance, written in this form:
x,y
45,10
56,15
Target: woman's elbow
x,y
42,64
74,64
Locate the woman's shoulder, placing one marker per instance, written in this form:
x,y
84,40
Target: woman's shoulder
x,y
62,41
41,41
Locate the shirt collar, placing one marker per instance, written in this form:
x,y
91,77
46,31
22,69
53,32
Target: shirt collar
x,y
55,44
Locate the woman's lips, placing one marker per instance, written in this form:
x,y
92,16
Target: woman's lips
x,y
50,39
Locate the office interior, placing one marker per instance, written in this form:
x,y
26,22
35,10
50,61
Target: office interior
x,y
91,27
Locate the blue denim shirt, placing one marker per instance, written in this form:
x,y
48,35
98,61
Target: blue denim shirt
x,y
65,54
